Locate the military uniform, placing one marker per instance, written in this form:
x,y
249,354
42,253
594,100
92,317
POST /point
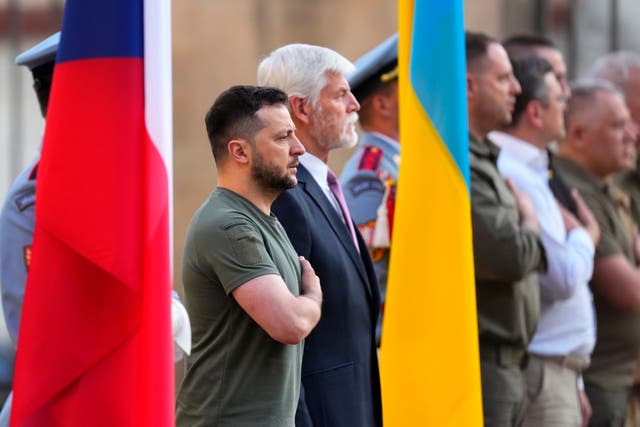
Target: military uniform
x,y
369,181
18,213
16,235
17,221
506,258
609,378
369,177
629,182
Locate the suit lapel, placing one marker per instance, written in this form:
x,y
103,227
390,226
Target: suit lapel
x,y
313,190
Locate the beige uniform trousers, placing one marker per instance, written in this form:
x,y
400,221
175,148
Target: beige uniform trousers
x,y
552,393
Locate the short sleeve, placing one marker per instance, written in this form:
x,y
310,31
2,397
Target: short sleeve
x,y
608,244
236,252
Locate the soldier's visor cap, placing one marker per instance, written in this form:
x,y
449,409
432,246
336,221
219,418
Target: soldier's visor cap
x,y
40,54
375,68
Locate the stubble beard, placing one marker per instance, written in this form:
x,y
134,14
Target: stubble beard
x,y
270,177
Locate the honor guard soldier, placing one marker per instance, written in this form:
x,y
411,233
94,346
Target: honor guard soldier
x,y
18,213
369,177
17,220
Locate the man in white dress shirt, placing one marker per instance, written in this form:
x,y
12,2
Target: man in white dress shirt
x,y
565,335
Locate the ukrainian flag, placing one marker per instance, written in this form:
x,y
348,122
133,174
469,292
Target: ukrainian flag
x,y
430,367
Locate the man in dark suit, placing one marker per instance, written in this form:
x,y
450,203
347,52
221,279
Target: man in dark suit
x,y
340,380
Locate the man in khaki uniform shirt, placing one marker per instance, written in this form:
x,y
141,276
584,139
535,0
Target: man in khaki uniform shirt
x,y
600,139
507,249
622,68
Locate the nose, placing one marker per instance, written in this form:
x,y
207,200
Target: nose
x,y
297,149
515,85
352,103
563,103
631,133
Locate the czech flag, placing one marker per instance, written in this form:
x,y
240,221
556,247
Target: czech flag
x,y
95,346
430,368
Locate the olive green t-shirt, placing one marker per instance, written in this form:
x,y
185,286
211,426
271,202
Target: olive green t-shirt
x,y
237,375
618,333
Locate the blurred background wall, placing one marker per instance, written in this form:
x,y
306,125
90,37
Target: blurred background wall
x,y
218,43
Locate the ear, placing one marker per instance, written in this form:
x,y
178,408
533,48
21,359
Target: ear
x,y
239,151
534,114
300,108
575,132
471,86
381,105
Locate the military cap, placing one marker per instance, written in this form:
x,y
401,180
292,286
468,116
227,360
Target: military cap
x,y
375,68
40,59
40,54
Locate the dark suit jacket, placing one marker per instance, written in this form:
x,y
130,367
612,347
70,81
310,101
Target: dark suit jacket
x,y
340,380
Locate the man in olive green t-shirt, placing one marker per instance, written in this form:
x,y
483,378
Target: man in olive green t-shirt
x,y
250,300
600,137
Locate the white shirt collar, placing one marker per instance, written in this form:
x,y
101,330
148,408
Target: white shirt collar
x,y
521,151
318,170
316,167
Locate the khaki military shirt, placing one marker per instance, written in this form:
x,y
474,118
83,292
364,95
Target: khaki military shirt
x,y
618,337
507,256
629,182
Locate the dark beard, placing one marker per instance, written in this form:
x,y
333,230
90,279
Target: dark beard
x,y
268,176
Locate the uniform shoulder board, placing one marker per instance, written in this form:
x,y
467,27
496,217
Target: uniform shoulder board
x,y
34,172
370,158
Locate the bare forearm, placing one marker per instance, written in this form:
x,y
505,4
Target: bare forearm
x,y
306,315
285,317
307,307
618,281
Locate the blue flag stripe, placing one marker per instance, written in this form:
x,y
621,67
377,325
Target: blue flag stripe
x,y
101,29
441,86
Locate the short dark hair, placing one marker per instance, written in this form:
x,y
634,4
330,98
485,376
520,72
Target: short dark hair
x,y
233,115
524,44
530,71
476,45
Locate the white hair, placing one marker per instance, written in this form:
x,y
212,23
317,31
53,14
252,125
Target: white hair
x,y
616,67
301,69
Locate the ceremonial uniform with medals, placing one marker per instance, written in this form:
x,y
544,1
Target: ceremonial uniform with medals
x,y
370,176
369,181
16,235
17,218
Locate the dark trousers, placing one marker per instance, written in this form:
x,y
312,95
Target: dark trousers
x,y
609,405
503,394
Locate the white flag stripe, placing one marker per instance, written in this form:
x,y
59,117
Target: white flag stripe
x,y
158,91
